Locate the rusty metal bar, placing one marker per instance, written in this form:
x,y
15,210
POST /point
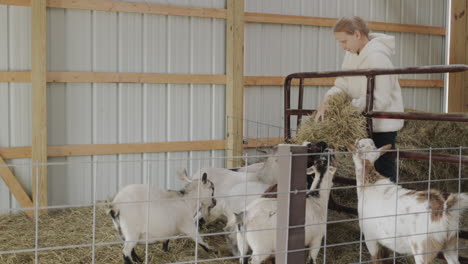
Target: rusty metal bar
x,y
375,72
434,157
369,102
299,111
287,106
301,100
419,116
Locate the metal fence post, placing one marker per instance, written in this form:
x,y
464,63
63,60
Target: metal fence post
x,y
291,204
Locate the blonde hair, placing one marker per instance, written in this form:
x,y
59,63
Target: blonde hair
x,y
351,24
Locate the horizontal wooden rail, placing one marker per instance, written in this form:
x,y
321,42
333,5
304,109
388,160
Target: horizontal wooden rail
x,y
172,10
128,7
132,148
162,78
110,77
329,22
114,77
278,81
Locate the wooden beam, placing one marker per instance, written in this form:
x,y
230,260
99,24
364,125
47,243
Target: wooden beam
x,y
279,81
39,102
171,10
16,2
329,22
116,77
23,76
113,149
110,149
128,7
113,77
15,188
458,44
234,80
263,142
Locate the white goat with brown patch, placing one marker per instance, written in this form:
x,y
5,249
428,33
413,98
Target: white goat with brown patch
x,y
421,223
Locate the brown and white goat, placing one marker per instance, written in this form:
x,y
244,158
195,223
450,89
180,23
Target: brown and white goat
x,y
421,223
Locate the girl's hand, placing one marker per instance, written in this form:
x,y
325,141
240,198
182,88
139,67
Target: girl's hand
x,y
320,113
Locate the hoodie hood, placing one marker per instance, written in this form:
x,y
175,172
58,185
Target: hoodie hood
x,y
378,43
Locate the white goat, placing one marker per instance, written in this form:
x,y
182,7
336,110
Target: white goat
x,y
424,224
261,214
170,213
239,197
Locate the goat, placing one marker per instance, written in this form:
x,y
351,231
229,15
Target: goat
x,y
175,214
239,197
261,214
421,223
312,149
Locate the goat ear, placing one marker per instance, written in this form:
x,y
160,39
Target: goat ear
x,y
310,170
204,178
351,148
386,147
182,174
239,217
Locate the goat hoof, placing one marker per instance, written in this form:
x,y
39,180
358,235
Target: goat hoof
x,y
165,246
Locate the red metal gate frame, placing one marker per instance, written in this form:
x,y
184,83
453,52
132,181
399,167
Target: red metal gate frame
x,y
369,113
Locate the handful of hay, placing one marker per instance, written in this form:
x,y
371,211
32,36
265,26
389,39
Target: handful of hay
x,y
342,125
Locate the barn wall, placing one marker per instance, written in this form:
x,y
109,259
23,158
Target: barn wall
x,y
107,113
274,50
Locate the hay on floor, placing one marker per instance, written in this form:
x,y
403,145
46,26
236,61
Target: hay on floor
x,y
68,227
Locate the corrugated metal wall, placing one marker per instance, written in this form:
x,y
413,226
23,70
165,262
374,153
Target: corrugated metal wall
x,y
273,50
86,113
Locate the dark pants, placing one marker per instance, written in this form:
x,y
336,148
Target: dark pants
x,y
385,165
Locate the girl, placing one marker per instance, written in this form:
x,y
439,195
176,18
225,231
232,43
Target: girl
x,y
366,51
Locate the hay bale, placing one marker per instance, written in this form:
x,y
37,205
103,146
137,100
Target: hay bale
x,y
342,125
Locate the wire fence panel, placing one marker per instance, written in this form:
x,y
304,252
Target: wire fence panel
x,y
245,217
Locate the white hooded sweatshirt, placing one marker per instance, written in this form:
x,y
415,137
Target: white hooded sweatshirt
x,y
387,93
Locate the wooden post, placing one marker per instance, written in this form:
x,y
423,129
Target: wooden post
x,y
458,88
234,80
291,206
39,103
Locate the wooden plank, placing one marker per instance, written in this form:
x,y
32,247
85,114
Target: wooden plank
x,y
234,80
133,148
113,77
134,7
279,80
111,149
458,54
263,142
22,76
15,153
39,103
16,2
329,22
147,8
15,188
128,7
422,83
